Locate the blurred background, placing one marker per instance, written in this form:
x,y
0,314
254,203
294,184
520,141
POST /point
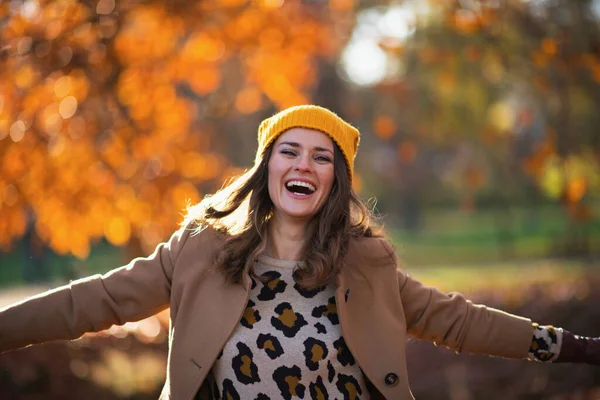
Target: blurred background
x,y
480,141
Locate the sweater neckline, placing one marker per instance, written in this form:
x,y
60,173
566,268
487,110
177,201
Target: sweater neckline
x,y
274,262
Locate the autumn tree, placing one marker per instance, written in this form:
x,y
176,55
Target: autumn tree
x,y
507,91
110,112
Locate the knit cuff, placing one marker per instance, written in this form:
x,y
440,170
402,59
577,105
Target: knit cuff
x,y
545,343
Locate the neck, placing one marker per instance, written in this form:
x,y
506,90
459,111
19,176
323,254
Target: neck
x,y
286,239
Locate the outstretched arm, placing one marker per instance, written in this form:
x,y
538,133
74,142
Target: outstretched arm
x,y
133,292
455,322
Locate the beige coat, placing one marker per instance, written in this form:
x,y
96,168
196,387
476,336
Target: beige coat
x,y
378,307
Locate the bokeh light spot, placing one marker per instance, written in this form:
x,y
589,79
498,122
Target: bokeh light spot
x,y
67,107
62,86
361,72
117,231
248,100
17,131
105,7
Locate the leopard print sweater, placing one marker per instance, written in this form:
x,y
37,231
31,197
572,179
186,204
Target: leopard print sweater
x,y
288,344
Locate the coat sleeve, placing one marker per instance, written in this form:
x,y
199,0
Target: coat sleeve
x,y
132,292
455,322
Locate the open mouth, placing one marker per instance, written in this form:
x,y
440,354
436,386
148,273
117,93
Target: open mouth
x,y
300,188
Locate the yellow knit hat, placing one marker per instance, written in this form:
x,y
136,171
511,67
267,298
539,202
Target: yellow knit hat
x,y
313,117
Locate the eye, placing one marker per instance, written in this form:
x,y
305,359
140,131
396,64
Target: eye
x,y
322,158
288,152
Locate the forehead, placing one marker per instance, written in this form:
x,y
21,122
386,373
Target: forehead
x,y
306,137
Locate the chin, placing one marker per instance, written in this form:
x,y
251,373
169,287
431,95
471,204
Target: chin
x,y
307,214
299,215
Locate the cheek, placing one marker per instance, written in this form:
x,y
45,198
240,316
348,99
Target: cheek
x,y
272,187
327,179
275,168
271,174
274,183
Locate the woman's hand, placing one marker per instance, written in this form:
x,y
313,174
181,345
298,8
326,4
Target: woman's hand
x,y
579,349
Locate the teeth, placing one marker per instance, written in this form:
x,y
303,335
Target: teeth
x,y
300,183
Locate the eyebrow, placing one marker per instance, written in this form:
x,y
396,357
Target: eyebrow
x,y
294,144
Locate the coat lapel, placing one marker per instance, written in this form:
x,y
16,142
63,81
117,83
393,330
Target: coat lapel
x,y
342,295
214,314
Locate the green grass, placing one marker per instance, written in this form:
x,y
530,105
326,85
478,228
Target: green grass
x,y
103,258
450,237
513,276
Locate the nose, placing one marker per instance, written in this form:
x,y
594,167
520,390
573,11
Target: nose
x,y
304,163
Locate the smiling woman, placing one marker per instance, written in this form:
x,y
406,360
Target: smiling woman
x,y
297,202
279,287
300,174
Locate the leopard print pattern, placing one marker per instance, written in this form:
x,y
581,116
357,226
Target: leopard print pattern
x,y
288,344
545,344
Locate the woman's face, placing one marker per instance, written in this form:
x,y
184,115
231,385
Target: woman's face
x,y
300,172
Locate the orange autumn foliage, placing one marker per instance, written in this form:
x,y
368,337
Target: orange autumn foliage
x,y
407,152
384,126
110,112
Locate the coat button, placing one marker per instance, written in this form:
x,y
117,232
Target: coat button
x,y
391,379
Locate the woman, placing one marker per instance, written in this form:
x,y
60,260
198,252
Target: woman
x,y
280,287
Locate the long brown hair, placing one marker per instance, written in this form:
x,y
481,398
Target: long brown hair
x,y
242,210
